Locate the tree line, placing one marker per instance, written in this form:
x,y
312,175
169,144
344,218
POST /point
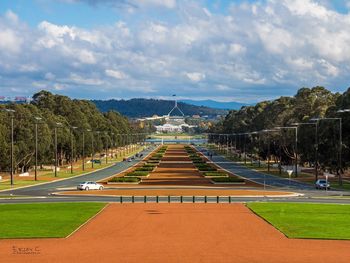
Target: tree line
x,y
309,109
69,118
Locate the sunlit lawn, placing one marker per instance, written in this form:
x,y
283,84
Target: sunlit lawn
x,y
323,221
44,220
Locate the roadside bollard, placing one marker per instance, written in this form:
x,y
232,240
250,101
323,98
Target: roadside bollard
x,y
168,198
145,199
133,199
193,199
157,199
205,199
181,199
217,199
229,199
121,199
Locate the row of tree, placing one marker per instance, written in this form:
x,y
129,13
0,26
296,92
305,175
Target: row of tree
x,y
69,118
305,108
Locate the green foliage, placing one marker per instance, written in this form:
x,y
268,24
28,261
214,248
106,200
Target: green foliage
x,y
54,109
216,174
125,180
307,104
138,173
144,169
229,179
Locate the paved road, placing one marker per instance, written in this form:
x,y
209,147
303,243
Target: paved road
x,y
255,176
46,189
175,199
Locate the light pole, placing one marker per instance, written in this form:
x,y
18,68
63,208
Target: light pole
x,y
98,139
340,142
106,147
92,148
296,146
11,112
83,151
72,128
268,147
58,124
316,123
36,148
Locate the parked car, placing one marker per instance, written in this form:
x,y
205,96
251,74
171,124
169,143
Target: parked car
x,y
322,184
90,186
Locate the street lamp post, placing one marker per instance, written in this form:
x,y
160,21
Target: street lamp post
x,y
106,147
296,146
36,148
11,112
92,148
340,142
316,142
83,150
58,124
72,148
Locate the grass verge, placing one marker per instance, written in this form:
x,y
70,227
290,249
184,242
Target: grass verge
x,y
318,221
53,220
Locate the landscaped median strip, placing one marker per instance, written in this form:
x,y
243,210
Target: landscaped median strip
x,y
135,176
211,171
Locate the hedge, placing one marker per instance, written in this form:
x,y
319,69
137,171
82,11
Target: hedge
x,y
216,174
138,173
124,180
150,169
229,179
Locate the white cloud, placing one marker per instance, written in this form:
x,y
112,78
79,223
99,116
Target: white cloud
x,y
195,76
11,16
9,41
253,46
117,74
80,80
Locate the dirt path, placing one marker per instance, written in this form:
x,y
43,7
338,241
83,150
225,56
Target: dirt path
x,y
177,233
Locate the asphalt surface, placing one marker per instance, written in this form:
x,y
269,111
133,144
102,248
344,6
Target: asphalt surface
x,y
48,188
258,177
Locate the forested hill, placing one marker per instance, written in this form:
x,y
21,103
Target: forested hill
x,y
149,107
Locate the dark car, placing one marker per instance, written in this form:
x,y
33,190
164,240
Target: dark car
x,y
322,184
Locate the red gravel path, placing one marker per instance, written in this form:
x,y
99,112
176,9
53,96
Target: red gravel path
x,y
169,233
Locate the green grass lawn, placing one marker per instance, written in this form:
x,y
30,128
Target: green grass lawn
x,y
44,220
321,221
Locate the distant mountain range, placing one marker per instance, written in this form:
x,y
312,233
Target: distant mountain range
x,y
232,105
137,108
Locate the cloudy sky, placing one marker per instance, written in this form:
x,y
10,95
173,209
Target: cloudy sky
x,y
225,50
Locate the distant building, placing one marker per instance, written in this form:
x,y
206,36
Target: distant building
x,y
173,123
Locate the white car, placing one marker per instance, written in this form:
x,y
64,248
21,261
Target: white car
x,y
90,186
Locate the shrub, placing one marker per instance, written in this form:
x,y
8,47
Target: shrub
x,y
124,180
229,179
138,173
150,165
198,162
153,161
207,168
216,174
150,169
155,158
